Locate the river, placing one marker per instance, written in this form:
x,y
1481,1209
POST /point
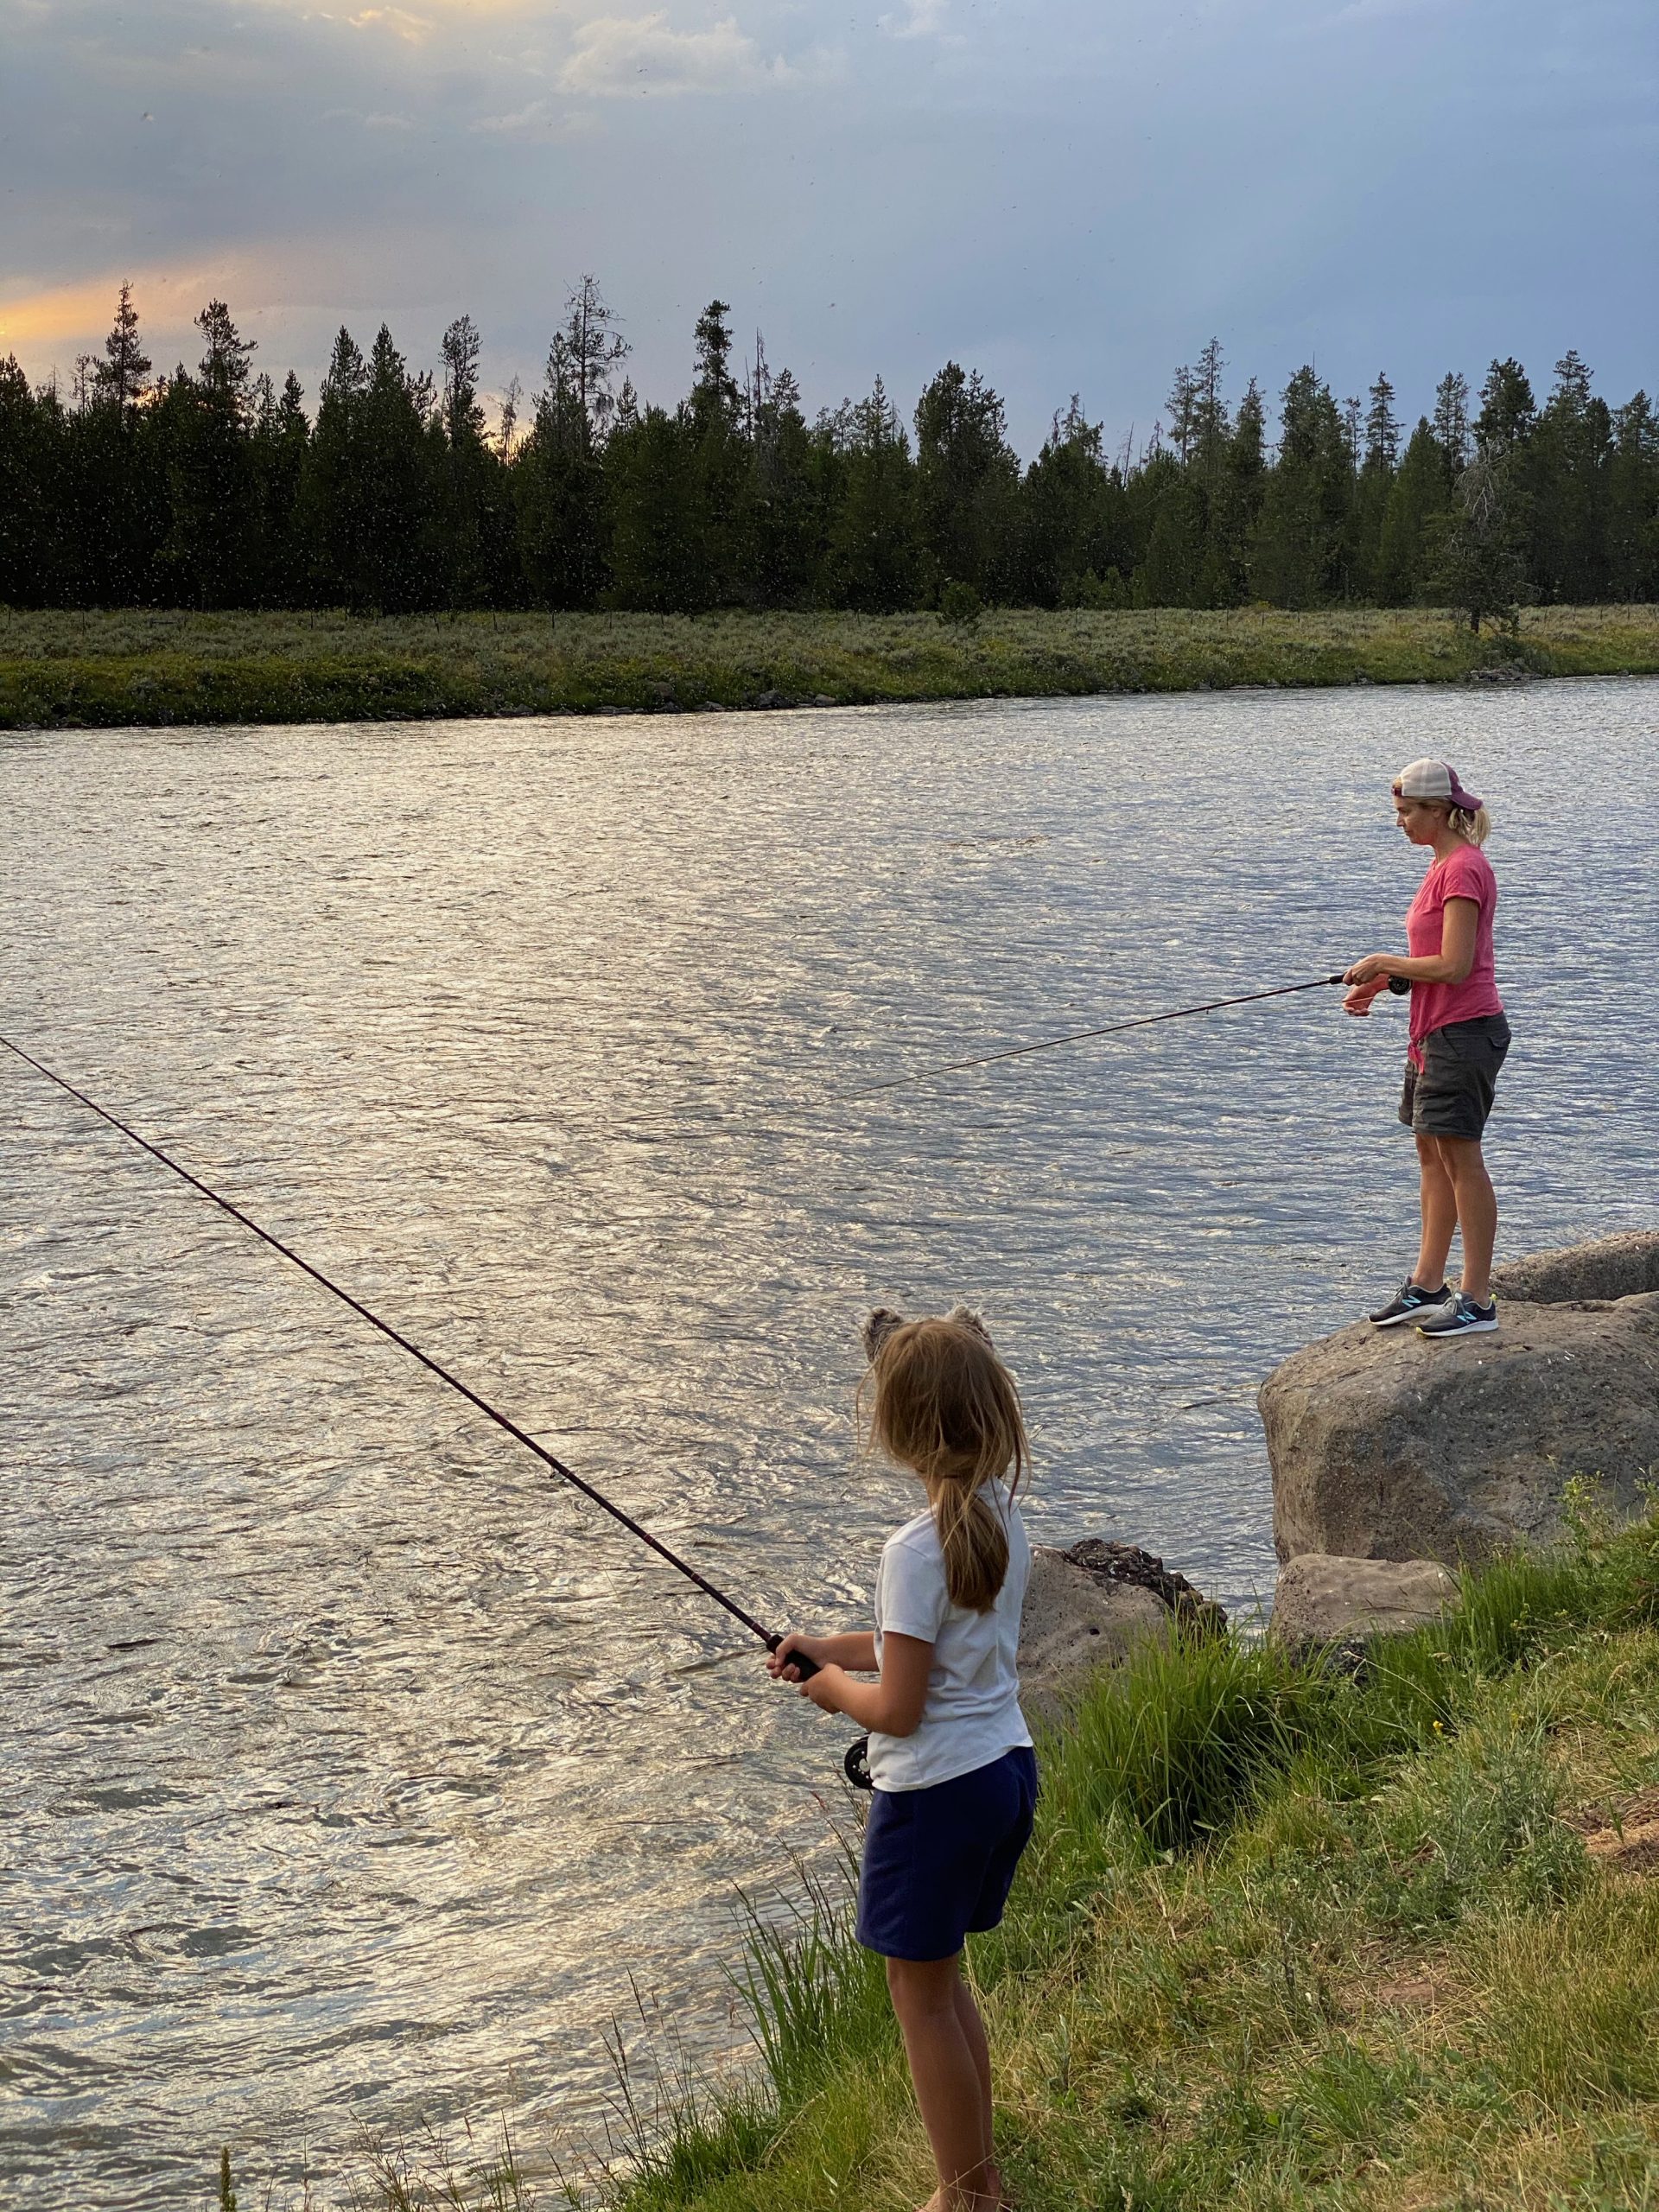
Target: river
x,y
356,1772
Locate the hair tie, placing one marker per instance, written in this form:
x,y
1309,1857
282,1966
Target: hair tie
x,y
883,1321
879,1327
965,1318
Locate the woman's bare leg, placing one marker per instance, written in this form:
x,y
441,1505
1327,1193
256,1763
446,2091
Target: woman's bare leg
x,y
949,2089
1477,1207
1440,1208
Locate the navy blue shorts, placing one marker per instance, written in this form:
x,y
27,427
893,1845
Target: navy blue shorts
x,y
938,1862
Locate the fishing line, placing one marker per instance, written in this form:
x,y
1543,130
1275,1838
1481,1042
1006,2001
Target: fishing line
x,y
1080,1036
741,1120
770,1637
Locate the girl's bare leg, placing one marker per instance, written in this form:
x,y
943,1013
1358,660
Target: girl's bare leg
x,y
1476,1208
1439,1205
973,2029
950,2088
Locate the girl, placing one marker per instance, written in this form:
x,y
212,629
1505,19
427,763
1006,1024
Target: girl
x,y
1459,1038
950,1753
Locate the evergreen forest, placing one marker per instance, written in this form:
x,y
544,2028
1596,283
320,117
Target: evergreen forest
x,y
217,488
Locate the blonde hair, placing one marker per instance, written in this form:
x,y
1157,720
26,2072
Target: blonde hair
x,y
938,1401
1475,827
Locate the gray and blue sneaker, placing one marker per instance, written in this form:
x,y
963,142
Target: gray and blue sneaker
x,y
1464,1317
1411,1302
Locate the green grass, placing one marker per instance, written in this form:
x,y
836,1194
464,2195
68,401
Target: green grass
x,y
1283,1939
1286,1940
78,669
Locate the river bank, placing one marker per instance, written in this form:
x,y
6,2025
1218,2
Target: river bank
x,y
104,670
1286,1938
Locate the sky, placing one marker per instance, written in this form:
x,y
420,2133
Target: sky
x,y
1069,195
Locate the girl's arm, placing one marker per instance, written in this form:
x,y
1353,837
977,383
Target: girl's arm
x,y
856,1650
892,1706
1449,965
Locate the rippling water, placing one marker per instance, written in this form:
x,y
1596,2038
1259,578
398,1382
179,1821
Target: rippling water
x,y
352,1770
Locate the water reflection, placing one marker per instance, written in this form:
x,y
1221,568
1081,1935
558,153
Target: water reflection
x,y
356,1767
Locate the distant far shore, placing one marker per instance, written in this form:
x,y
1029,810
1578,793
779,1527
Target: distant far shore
x,y
67,669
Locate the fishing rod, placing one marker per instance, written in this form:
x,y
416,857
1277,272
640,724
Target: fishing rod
x,y
1397,984
771,1638
1080,1036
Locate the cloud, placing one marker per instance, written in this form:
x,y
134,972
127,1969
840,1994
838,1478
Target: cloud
x,y
540,116
616,55
921,19
413,30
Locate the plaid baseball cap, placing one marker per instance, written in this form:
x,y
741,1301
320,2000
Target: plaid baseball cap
x,y
1436,779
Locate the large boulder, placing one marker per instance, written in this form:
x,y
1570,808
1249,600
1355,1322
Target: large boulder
x,y
1610,1266
1074,1623
1321,1600
1385,1445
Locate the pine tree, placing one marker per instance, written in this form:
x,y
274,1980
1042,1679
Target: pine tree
x,y
401,557
1481,566
558,481
1382,428
1235,506
581,361
282,439
1211,427
1508,410
787,511
1372,489
475,500
1568,470
1068,511
873,556
208,551
1418,498
1633,503
1452,423
122,376
1301,538
25,567
1182,408
967,484
658,534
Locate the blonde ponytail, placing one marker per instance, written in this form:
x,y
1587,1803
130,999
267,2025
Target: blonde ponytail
x,y
942,1403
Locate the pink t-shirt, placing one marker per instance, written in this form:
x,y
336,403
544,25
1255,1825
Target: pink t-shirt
x,y
1465,873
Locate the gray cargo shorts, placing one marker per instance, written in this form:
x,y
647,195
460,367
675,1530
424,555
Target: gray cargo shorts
x,y
1452,1094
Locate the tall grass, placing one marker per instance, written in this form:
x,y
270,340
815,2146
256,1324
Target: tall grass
x,y
1235,1846
141,665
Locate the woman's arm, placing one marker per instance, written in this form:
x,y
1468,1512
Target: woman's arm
x,y
893,1705
1451,964
856,1650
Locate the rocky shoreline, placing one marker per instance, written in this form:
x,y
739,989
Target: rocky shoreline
x,y
1396,1462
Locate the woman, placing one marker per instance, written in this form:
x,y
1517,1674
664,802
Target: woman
x,y
1459,1038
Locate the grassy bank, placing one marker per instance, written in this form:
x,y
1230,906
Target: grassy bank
x,y
1286,1940
72,669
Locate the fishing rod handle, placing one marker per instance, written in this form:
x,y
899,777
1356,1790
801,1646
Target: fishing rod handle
x,y
805,1667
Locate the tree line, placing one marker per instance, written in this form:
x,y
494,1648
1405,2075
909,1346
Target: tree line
x,y
213,487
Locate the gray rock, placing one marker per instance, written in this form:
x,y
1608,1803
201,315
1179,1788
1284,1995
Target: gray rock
x,y
1323,1600
1384,1445
1073,1624
1611,1267
1111,1562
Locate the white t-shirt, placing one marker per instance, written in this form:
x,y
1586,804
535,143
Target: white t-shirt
x,y
972,1713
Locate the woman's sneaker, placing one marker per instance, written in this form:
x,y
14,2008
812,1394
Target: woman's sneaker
x,y
1464,1317
1411,1302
